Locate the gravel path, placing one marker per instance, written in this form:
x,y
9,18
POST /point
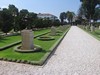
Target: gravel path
x,y
78,54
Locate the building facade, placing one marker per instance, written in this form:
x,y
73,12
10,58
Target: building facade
x,y
46,16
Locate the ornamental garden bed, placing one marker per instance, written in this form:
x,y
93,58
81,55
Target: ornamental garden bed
x,y
46,38
36,58
14,40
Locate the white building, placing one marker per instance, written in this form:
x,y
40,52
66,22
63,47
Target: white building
x,y
46,16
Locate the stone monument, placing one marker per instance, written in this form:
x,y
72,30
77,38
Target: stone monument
x,y
61,28
53,31
27,40
99,27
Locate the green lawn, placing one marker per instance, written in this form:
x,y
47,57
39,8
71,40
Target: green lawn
x,y
10,53
95,34
11,39
36,56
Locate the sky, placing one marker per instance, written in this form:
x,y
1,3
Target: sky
x,y
54,7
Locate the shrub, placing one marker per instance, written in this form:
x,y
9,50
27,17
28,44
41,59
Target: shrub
x,y
45,38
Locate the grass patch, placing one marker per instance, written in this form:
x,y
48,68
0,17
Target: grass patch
x,y
10,53
95,34
8,40
35,56
11,39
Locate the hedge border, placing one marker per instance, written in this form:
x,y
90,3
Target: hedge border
x,y
18,42
42,38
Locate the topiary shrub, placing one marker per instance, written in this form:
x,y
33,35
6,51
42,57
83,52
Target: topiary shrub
x,y
1,58
5,59
9,59
18,61
14,60
23,61
45,38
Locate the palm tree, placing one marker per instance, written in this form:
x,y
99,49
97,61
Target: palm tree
x,y
70,16
62,17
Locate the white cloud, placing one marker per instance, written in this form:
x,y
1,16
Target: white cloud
x,y
4,7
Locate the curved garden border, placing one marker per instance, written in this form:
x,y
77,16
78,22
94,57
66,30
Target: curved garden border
x,y
37,48
46,38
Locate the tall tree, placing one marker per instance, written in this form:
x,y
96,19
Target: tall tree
x,y
14,11
89,7
23,17
62,17
70,16
30,19
0,20
97,14
6,21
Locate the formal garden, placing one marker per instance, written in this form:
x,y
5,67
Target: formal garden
x,y
25,38
9,43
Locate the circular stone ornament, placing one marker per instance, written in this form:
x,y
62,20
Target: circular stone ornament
x,y
36,49
45,38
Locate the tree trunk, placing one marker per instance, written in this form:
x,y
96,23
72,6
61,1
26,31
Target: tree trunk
x,y
92,26
6,33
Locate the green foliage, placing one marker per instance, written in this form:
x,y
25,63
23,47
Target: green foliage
x,y
30,19
14,12
46,38
62,17
95,33
97,14
43,23
70,16
88,7
6,20
17,20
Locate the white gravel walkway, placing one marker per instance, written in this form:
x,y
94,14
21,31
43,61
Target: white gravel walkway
x,y
78,54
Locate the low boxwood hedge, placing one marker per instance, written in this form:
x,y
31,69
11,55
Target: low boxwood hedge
x,y
45,38
37,48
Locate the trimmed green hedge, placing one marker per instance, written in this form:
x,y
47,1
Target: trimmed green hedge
x,y
37,48
45,38
16,43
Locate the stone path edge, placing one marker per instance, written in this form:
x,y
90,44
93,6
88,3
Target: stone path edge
x,y
90,34
52,49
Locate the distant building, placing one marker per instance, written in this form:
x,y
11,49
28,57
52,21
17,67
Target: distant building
x,y
46,16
